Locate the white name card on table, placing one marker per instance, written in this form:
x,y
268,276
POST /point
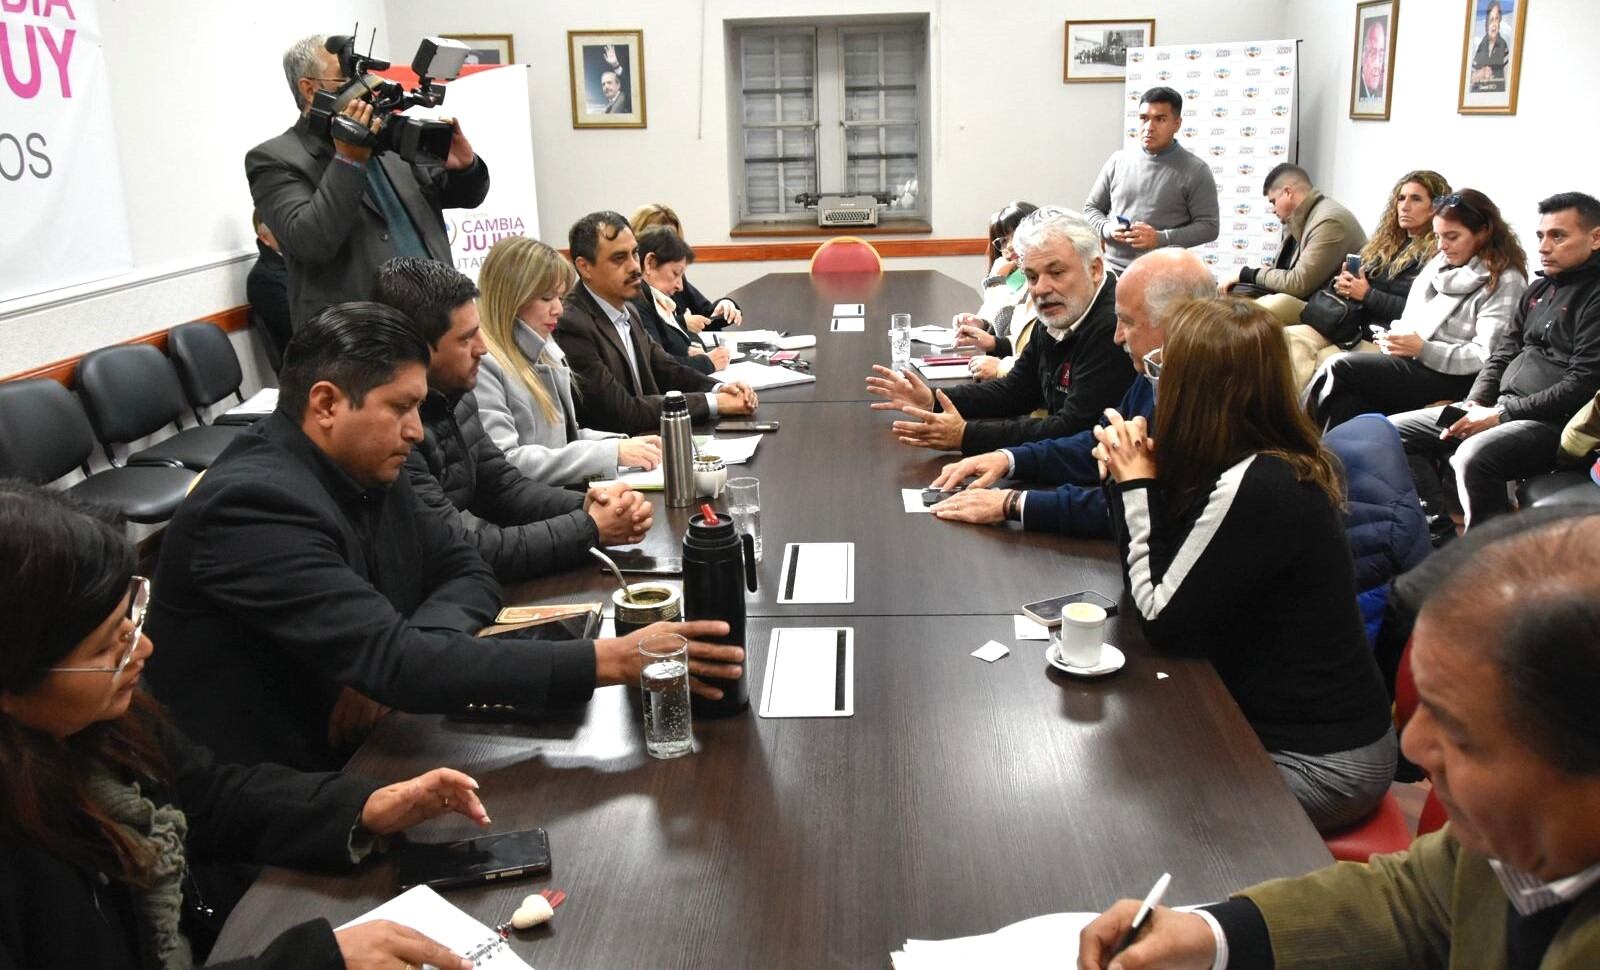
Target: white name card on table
x,y
818,572
811,672
911,498
849,309
762,376
1033,944
427,912
848,325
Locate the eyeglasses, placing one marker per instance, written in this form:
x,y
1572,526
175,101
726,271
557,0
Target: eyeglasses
x,y
1001,244
1152,365
138,609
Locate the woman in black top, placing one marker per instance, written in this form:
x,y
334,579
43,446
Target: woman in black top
x,y
1235,550
663,259
103,804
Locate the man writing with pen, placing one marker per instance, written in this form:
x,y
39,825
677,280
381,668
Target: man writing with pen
x,y
1506,657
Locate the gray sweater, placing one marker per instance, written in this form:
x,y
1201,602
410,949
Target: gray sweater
x,y
1171,190
558,452
1456,315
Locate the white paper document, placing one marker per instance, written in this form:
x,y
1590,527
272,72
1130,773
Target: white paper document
x,y
799,341
1033,944
818,572
729,338
264,401
732,451
849,309
911,498
991,651
941,372
762,376
433,916
848,325
810,672
934,336
1026,629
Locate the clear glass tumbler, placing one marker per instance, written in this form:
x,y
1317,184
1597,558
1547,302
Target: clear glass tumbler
x,y
744,504
668,731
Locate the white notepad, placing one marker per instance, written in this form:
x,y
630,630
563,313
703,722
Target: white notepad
x,y
762,376
941,372
818,572
433,916
811,672
934,336
798,341
848,325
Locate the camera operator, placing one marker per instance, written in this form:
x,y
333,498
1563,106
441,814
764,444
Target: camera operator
x,y
341,210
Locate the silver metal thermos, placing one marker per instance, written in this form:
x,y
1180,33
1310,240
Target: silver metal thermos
x,y
677,451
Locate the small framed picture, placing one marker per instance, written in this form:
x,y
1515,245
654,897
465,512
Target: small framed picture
x,y
488,48
1491,57
1372,81
1097,50
607,78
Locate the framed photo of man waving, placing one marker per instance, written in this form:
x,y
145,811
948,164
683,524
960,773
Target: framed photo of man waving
x,y
1491,57
1372,82
607,69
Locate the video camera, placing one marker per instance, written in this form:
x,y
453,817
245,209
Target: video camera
x,y
413,139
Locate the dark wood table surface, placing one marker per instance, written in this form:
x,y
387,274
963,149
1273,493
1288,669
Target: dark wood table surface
x,y
961,796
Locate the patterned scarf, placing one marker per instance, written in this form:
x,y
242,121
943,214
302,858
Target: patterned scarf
x,y
160,830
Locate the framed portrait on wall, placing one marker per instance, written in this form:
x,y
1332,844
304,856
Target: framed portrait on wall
x,y
1372,81
607,78
1097,50
1491,57
488,48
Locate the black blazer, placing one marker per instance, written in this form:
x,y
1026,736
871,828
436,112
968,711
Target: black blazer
x,y
64,913
332,234
606,396
673,340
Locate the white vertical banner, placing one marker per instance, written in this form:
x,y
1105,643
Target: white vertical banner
x,y
62,219
1239,116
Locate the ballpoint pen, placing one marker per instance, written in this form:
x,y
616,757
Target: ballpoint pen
x,y
1146,910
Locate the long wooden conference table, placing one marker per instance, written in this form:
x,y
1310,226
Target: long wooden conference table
x,y
961,797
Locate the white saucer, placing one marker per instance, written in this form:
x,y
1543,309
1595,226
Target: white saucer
x,y
1111,661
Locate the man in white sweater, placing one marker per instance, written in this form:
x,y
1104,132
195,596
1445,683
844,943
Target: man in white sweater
x,y
1158,195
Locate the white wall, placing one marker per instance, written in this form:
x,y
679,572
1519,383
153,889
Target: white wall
x,y
193,86
1549,145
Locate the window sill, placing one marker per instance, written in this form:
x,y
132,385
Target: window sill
x,y
746,230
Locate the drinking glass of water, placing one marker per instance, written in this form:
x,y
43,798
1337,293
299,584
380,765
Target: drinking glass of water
x,y
665,679
899,341
744,504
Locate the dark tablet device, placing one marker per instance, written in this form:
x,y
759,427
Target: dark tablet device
x,y
485,858
634,562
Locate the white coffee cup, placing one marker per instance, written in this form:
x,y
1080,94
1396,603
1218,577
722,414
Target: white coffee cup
x,y
1083,632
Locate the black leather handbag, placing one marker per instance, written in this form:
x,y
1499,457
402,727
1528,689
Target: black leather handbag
x,y
1331,315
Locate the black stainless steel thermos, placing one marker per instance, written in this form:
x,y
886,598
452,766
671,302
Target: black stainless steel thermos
x,y
719,564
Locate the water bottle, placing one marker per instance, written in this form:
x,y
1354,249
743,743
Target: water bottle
x,y
719,564
677,451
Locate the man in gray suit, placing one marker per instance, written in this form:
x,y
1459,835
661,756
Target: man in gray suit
x,y
338,210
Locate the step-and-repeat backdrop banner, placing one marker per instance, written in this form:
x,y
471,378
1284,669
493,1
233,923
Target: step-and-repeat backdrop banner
x,y
1238,115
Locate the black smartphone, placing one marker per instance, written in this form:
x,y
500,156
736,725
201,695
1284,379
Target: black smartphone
x,y
748,426
486,858
1450,414
633,562
1048,612
1125,222
1352,262
933,496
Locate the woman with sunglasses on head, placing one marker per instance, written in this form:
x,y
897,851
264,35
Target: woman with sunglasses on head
x,y
1390,261
1459,303
1234,548
104,806
1003,323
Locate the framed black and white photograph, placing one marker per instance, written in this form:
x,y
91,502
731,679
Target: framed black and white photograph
x,y
1097,50
1372,80
488,48
607,78
1491,57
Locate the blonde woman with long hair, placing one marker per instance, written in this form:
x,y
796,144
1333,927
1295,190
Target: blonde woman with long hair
x,y
524,382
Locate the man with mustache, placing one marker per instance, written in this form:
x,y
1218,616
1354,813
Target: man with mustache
x,y
1073,370
621,374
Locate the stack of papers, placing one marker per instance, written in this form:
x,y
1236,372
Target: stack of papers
x,y
1033,944
732,451
941,372
262,402
762,376
934,336
428,913
731,338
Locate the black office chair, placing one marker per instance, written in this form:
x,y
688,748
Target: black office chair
x,y
131,391
44,434
1569,487
208,368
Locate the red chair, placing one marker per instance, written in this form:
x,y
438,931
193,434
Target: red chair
x,y
846,254
1433,814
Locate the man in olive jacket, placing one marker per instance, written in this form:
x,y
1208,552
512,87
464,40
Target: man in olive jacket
x,y
1507,664
1317,234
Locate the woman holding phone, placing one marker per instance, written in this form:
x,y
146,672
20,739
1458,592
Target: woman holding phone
x,y
1234,549
104,805
1459,303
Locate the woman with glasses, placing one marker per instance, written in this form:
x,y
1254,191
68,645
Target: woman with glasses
x,y
698,313
1234,549
1004,321
663,259
1458,304
524,382
1390,262
103,804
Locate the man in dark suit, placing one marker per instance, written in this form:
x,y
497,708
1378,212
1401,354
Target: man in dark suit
x,y
338,210
621,373
303,584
